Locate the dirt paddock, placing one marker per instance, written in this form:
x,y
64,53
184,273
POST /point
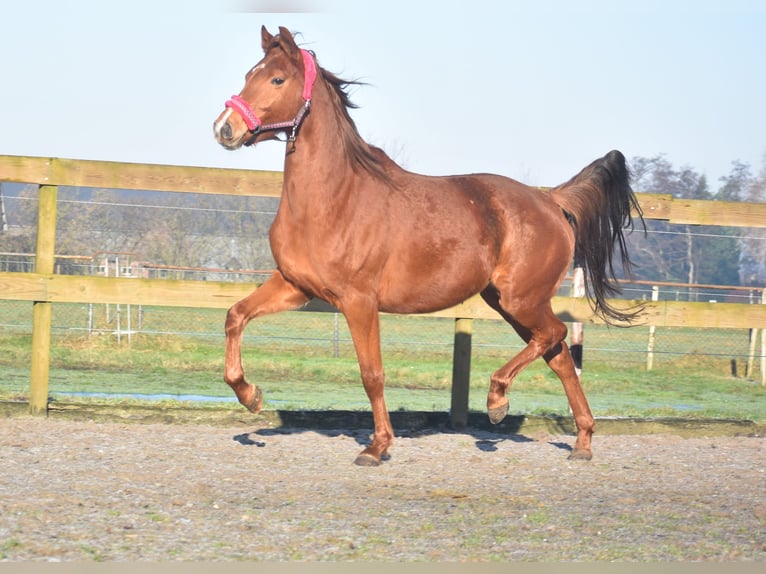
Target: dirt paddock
x,y
89,490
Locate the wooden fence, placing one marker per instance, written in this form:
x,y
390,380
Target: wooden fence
x,y
45,288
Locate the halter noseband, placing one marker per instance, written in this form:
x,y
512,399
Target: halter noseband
x,y
253,122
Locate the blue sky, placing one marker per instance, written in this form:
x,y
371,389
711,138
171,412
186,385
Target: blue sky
x,y
530,89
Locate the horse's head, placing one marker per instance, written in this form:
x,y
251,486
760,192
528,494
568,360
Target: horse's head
x,y
276,96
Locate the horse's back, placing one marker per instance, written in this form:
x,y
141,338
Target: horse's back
x,y
448,236
496,209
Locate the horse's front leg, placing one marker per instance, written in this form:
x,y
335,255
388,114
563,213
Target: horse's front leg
x,y
364,325
275,295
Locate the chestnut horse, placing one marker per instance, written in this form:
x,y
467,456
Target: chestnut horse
x,y
358,231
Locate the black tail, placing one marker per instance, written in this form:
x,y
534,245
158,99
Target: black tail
x,y
599,200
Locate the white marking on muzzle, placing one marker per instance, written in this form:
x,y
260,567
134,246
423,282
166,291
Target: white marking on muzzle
x,y
219,124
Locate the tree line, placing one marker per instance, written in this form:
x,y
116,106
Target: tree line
x,y
175,229
231,232
703,254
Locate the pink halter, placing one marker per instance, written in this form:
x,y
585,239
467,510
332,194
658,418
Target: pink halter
x,y
254,123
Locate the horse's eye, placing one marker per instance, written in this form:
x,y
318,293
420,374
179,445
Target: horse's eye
x,y
277,81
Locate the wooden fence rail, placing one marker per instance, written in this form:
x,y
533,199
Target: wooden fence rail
x,y
45,288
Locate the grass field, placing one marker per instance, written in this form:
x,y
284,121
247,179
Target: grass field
x,y
305,360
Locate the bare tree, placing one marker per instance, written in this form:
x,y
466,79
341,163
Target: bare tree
x,y
753,243
690,253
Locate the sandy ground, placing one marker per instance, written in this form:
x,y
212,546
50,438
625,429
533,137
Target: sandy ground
x,y
92,491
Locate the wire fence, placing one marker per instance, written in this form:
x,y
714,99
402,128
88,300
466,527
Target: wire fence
x,y
124,228
326,333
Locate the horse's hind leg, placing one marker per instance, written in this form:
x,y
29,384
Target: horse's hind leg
x,y
275,295
560,360
500,381
544,334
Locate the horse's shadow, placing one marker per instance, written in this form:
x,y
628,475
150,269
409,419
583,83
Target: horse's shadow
x,y
487,437
245,440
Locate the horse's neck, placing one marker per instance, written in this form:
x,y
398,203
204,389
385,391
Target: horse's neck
x,y
317,170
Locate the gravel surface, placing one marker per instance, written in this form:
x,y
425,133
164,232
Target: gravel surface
x,y
79,490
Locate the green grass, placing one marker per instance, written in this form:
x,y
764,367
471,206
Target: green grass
x,y
306,361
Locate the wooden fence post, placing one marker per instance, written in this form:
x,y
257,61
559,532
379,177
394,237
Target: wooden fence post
x,y
753,340
42,310
763,344
652,329
461,373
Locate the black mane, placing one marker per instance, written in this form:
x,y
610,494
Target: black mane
x,y
361,155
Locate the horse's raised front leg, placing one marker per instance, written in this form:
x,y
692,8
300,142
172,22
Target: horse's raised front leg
x,y
275,295
364,324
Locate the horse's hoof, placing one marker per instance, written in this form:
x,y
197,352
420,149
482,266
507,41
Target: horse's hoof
x,y
365,459
256,403
580,454
497,414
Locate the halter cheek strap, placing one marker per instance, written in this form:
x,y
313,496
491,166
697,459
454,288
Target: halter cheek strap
x,y
254,123
309,74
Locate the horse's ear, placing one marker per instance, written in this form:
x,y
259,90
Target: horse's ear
x,y
267,40
287,42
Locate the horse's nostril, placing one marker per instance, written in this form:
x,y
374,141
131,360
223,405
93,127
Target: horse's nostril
x,y
226,131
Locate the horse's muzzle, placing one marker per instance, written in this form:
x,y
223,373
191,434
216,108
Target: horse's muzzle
x,y
226,131
225,135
